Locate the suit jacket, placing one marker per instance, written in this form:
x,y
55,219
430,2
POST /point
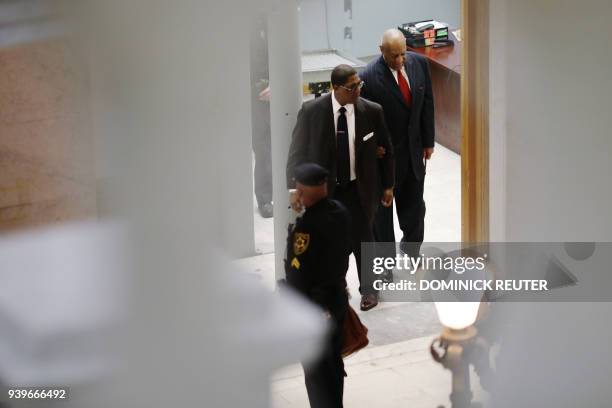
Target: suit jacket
x,y
314,140
411,128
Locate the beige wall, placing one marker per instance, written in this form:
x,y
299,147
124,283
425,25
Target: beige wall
x,y
46,163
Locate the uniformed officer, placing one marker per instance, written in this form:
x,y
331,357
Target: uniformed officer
x,y
318,252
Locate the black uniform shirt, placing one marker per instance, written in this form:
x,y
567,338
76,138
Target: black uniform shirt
x,y
318,252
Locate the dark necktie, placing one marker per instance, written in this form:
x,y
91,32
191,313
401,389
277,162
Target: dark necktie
x,y
404,88
344,161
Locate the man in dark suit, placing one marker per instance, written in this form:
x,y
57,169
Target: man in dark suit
x,y
343,132
400,82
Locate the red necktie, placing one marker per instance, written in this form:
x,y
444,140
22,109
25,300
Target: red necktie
x,y
404,89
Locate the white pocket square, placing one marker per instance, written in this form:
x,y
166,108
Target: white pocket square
x,y
369,135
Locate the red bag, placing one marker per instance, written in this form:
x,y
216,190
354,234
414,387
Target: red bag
x,y
354,333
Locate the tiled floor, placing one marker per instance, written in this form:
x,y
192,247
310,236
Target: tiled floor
x,y
395,370
395,375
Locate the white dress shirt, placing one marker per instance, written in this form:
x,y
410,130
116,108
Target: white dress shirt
x,y
394,72
350,121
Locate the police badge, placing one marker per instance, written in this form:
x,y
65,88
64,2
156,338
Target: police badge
x,y
300,243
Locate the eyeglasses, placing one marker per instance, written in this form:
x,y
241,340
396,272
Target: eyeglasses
x,y
354,87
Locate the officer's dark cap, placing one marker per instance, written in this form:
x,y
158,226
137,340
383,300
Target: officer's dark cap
x,y
310,174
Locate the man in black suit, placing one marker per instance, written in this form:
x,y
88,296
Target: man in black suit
x,y
400,82
343,132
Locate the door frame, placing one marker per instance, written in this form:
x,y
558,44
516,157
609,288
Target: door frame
x,y
475,121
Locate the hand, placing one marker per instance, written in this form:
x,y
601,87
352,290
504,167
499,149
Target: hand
x,y
294,201
265,94
380,152
427,152
387,198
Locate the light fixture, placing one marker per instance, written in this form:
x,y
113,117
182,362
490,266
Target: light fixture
x,y
457,315
459,346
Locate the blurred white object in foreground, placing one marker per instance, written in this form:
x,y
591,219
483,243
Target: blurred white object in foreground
x,y
62,289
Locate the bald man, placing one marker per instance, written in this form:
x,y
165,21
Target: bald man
x,y
400,82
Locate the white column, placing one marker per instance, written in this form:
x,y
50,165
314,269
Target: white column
x,y
286,99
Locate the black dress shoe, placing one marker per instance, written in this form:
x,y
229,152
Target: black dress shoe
x,y
266,210
368,301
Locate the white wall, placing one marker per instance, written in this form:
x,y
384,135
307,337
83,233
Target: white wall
x,y
551,97
369,19
168,90
550,180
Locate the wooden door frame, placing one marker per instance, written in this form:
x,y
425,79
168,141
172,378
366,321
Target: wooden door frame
x,y
475,121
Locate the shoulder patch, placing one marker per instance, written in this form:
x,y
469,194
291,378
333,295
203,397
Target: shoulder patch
x,y
295,263
300,243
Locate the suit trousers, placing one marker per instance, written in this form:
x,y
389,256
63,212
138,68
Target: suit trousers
x,y
361,231
410,214
324,377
